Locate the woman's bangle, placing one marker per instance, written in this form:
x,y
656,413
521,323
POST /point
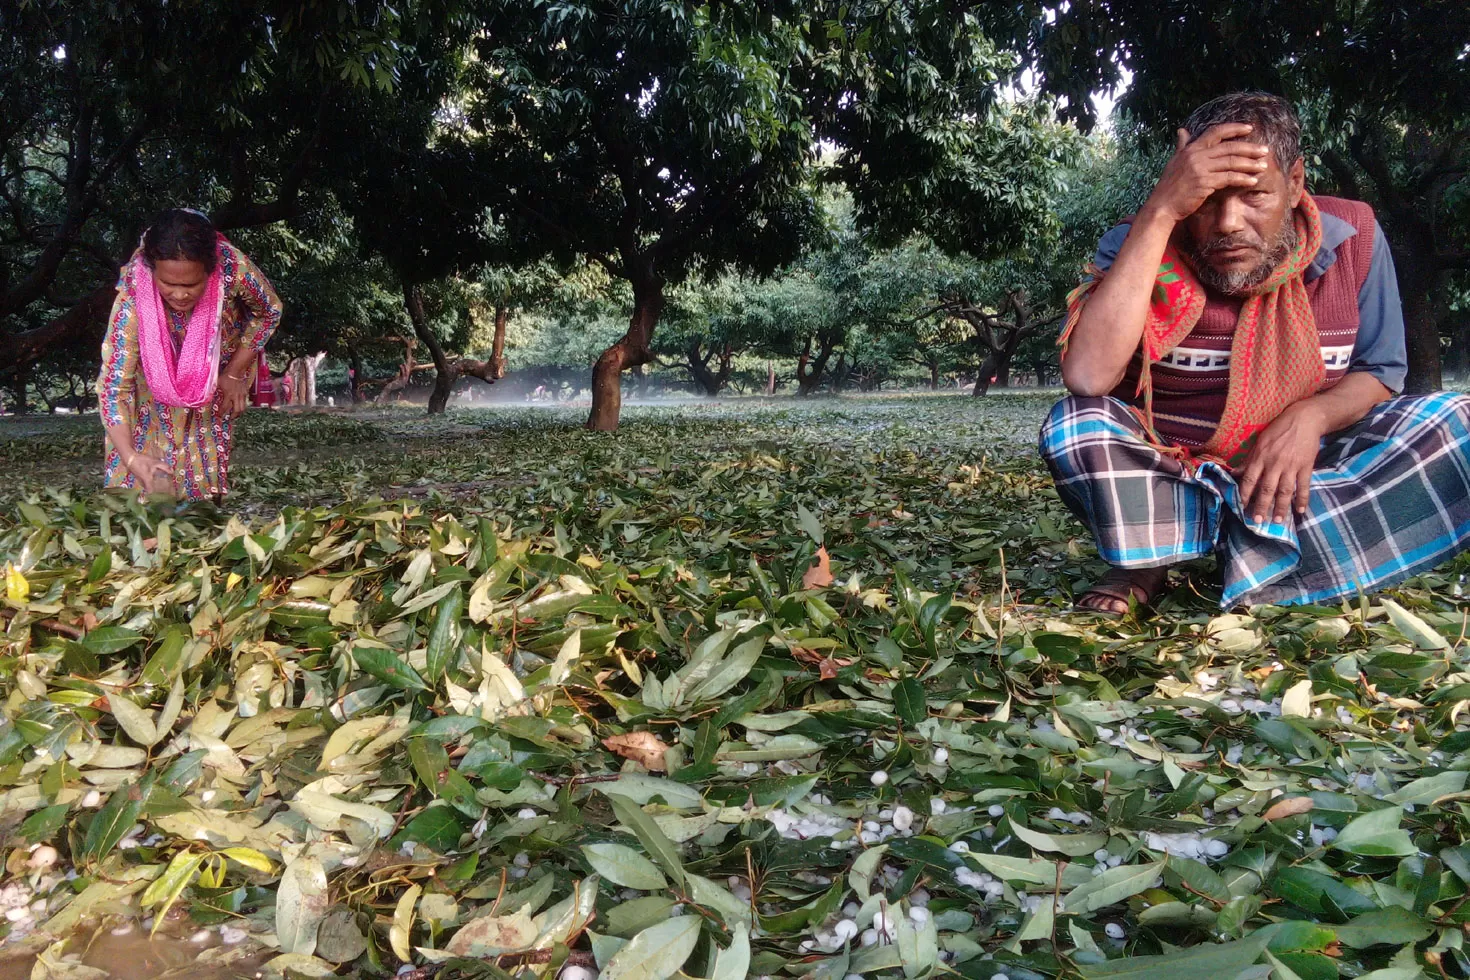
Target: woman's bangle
x,y
233,377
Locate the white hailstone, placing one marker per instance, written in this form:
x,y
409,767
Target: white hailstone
x,y
920,898
845,930
479,828
851,910
872,826
968,878
207,796
527,814
1115,931
91,799
918,915
937,805
960,847
903,819
405,968
807,945
202,936
42,858
1216,848
521,860
1101,855
1115,860
941,756
1234,753
886,813
1056,813
122,930
1104,732
853,976
999,976
128,843
18,913
878,778
868,837
677,909
996,810
1329,833
230,935
870,937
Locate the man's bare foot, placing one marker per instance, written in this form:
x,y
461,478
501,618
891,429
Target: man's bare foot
x,y
1111,595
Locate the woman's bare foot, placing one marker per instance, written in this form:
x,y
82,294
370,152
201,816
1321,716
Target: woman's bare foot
x,y
1111,595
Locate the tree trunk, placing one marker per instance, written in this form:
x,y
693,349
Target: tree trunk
x,y
497,349
770,377
987,371
404,376
809,370
630,351
713,382
1420,279
413,299
355,378
933,375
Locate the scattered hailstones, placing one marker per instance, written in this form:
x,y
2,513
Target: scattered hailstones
x,y
878,778
903,819
1115,931
941,756
231,935
1194,846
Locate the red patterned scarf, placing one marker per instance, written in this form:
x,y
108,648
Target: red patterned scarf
x,y
1275,354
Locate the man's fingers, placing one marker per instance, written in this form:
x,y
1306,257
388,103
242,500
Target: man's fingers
x,y
1216,135
1304,489
1233,178
1265,493
1245,163
1284,496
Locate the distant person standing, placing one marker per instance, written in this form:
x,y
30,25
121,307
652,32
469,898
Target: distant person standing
x,y
192,314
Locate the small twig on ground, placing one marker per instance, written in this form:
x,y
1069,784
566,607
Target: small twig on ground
x,y
54,625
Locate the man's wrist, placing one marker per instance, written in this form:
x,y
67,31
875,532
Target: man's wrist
x,y
1310,412
1155,215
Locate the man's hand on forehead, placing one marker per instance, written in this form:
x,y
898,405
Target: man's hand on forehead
x,y
1220,157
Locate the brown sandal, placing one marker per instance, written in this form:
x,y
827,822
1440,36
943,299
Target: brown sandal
x,y
1125,585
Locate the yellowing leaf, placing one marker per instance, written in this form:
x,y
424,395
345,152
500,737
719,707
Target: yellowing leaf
x,y
17,589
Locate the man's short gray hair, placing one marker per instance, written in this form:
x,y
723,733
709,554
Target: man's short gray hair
x,y
1274,122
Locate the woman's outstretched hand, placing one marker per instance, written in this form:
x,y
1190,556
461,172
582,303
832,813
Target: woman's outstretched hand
x,y
152,473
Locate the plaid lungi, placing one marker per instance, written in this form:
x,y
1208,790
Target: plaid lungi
x,y
1390,498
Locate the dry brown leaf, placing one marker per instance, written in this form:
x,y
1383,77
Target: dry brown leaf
x,y
827,666
819,576
643,748
1288,808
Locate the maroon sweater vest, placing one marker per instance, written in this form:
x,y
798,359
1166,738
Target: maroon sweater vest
x,y
1190,381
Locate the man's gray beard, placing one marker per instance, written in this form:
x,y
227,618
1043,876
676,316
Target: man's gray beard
x,y
1241,283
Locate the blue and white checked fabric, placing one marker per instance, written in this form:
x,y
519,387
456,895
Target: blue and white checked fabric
x,y
1390,499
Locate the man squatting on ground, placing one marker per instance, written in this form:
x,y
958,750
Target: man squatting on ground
x,y
1233,358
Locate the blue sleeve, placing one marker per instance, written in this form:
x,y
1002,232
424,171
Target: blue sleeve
x,y
1109,246
1380,348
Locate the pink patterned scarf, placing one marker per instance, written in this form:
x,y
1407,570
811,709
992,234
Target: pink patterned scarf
x,y
184,375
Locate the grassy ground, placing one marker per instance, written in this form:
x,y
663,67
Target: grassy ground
x,y
490,689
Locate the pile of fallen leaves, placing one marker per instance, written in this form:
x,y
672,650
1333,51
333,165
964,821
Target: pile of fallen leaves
x,y
729,704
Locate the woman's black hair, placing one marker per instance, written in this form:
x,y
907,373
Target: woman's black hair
x,y
181,234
